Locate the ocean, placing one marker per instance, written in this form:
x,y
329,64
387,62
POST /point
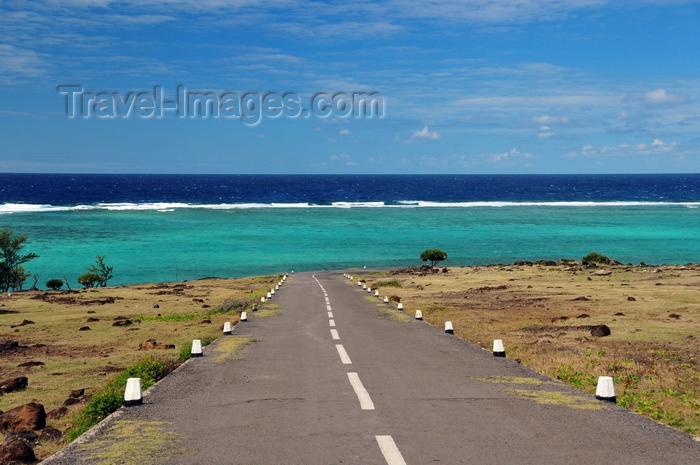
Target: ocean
x,y
155,228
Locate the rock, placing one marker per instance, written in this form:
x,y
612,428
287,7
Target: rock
x,y
23,323
619,314
9,346
57,413
156,306
51,434
92,319
7,311
17,451
198,300
70,401
151,344
77,393
445,270
31,364
14,384
29,436
602,273
30,416
547,263
122,323
395,298
631,299
581,299
559,318
84,328
584,315
208,306
600,331
675,316
205,321
91,311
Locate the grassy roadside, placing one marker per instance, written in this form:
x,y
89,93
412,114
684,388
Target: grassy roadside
x,y
544,314
59,355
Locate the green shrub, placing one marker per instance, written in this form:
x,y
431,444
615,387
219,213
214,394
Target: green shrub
x,y
391,283
595,257
107,401
54,284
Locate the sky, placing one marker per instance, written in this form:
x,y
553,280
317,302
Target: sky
x,y
461,87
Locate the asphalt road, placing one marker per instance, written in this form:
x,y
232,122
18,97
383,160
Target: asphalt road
x,y
331,380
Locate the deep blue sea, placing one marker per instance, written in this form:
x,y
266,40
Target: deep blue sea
x,y
178,227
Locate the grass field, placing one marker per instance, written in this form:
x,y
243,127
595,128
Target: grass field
x,y
67,358
544,314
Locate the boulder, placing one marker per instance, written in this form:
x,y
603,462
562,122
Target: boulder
x,y
57,413
631,299
30,436
92,319
9,346
14,384
84,328
156,306
602,273
122,323
31,416
51,434
600,331
31,364
151,344
23,323
17,451
77,393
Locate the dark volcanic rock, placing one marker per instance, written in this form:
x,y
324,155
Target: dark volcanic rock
x,y
17,451
31,364
600,331
29,416
14,384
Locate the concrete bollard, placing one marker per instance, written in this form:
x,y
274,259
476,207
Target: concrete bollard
x,y
399,306
369,290
359,283
196,348
364,286
272,291
448,327
605,389
244,316
498,350
269,295
227,328
132,393
376,293
262,299
277,288
386,300
419,315
351,278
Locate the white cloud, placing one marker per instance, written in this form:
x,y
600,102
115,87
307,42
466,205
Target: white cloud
x,y
656,147
545,132
657,97
342,156
17,61
511,155
426,134
344,132
549,120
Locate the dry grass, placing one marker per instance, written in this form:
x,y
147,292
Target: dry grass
x,y
543,315
74,359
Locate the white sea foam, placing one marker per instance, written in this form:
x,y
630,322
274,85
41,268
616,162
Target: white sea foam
x,y
169,207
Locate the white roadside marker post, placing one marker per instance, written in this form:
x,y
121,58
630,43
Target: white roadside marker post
x,y
419,315
605,389
132,393
498,350
196,348
448,327
227,328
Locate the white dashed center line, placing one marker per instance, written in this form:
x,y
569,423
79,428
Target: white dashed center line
x,y
328,307
344,357
362,394
330,314
392,455
334,334
331,323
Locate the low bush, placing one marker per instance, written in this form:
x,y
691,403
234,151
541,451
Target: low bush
x,y
107,401
595,257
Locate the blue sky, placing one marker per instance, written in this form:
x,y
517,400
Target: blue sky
x,y
482,86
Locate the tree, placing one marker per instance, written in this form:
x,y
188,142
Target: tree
x,y
12,273
97,274
89,280
54,284
595,257
433,256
